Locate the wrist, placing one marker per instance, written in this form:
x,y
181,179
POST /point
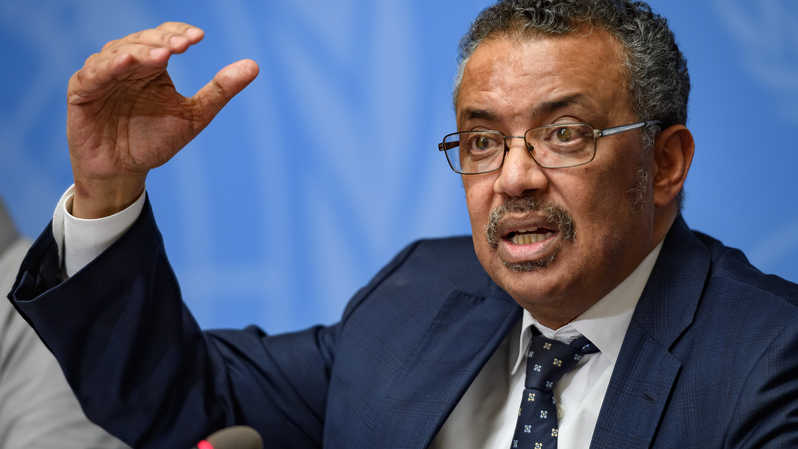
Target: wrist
x,y
95,198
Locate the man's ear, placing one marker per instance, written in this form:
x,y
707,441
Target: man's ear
x,y
673,154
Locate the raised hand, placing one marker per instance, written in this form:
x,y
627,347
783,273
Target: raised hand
x,y
125,117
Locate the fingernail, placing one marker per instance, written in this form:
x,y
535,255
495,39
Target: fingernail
x,y
193,33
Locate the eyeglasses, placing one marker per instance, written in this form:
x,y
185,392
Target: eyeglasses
x,y
552,146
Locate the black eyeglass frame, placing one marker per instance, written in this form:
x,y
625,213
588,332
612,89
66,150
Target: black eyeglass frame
x,y
597,133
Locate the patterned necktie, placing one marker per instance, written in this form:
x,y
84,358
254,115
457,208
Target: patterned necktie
x,y
546,362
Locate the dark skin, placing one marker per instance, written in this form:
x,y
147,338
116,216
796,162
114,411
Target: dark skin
x,y
512,84
125,117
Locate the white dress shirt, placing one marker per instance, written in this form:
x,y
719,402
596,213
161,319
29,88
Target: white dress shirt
x,y
81,240
486,415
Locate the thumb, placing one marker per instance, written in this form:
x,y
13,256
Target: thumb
x,y
224,86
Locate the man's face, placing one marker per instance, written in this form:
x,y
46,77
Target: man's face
x,y
559,239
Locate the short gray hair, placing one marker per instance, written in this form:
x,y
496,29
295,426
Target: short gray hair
x,y
657,71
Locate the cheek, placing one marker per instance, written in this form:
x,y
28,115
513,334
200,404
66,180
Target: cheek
x,y
479,195
594,198
605,211
582,191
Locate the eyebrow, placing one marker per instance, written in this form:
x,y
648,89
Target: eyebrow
x,y
542,109
479,114
548,107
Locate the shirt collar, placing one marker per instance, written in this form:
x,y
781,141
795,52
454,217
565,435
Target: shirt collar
x,y
604,323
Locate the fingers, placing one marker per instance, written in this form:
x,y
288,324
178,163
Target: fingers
x,y
139,56
175,36
224,86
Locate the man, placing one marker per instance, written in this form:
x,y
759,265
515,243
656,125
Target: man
x,y
37,408
573,151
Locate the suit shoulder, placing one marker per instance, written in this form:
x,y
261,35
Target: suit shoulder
x,y
450,260
458,248
732,270
428,265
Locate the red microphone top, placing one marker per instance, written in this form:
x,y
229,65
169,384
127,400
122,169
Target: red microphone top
x,y
204,445
236,437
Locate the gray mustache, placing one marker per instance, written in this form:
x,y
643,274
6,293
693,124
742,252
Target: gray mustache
x,y
553,214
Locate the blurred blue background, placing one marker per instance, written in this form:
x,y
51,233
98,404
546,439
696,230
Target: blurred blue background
x,y
326,166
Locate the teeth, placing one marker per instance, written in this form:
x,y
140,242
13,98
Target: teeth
x,y
528,239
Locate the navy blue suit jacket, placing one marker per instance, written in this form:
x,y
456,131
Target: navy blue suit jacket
x,y
710,359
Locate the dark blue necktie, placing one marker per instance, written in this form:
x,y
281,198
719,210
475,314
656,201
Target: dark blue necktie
x,y
547,360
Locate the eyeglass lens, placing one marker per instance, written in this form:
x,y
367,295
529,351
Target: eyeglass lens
x,y
561,145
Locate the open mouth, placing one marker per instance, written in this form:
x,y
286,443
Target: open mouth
x,y
528,247
526,234
527,225
529,236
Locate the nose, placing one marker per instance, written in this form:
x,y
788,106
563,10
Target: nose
x,y
520,174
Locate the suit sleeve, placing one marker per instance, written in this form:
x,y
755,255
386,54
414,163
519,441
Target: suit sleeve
x,y
37,408
143,369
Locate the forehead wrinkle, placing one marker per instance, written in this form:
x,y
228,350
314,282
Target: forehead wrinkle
x,y
549,107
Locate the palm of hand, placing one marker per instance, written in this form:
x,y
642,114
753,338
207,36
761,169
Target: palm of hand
x,y
125,117
132,129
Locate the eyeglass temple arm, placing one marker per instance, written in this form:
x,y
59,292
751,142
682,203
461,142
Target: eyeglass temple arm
x,y
624,128
443,146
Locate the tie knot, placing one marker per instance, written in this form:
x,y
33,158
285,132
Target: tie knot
x,y
548,360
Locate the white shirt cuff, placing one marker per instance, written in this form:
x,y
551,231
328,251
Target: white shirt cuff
x,y
81,240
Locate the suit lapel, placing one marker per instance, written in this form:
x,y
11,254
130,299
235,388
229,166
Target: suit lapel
x,y
645,370
637,393
464,334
